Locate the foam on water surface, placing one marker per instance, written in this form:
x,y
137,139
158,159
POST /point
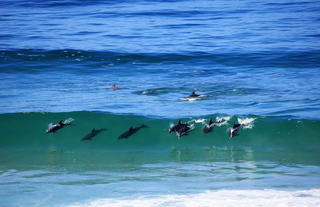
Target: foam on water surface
x,y
225,198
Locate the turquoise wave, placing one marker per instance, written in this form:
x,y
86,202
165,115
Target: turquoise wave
x,y
27,131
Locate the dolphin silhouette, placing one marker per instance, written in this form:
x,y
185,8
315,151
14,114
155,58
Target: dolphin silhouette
x,y
176,127
193,94
234,131
181,129
94,132
131,131
208,127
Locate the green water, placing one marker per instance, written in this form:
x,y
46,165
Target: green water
x,y
28,129
266,136
39,169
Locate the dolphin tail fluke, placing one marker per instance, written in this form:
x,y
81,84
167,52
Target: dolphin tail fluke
x,y
122,137
85,139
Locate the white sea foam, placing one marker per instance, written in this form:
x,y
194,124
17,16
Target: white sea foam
x,y
199,121
225,198
222,120
246,123
189,99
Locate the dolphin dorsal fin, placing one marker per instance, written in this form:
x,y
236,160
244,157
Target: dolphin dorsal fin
x,y
179,122
93,130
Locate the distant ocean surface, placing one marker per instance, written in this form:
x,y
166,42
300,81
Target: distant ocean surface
x,y
256,63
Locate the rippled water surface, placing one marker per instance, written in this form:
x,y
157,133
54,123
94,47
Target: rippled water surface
x,y
251,60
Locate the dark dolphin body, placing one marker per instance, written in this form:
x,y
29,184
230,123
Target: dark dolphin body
x,y
131,131
56,127
92,134
208,127
175,127
234,131
181,129
193,94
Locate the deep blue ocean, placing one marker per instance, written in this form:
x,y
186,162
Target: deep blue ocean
x,y
256,63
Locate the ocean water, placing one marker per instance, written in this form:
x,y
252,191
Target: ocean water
x,y
256,63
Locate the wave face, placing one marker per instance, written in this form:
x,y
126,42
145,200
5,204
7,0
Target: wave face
x,y
269,153
23,131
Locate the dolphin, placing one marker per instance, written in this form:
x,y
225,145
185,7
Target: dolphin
x,y
181,129
175,127
193,94
234,131
56,127
131,131
208,127
92,134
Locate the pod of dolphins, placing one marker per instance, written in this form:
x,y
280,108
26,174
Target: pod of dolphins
x,y
181,129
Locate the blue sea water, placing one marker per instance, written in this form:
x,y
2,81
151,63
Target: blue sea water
x,y
256,62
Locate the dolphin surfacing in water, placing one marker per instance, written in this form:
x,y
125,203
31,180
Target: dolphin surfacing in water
x,y
209,127
181,129
193,97
131,131
234,131
94,132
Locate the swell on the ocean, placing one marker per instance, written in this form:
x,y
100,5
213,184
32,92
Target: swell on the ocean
x,y
27,130
259,59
